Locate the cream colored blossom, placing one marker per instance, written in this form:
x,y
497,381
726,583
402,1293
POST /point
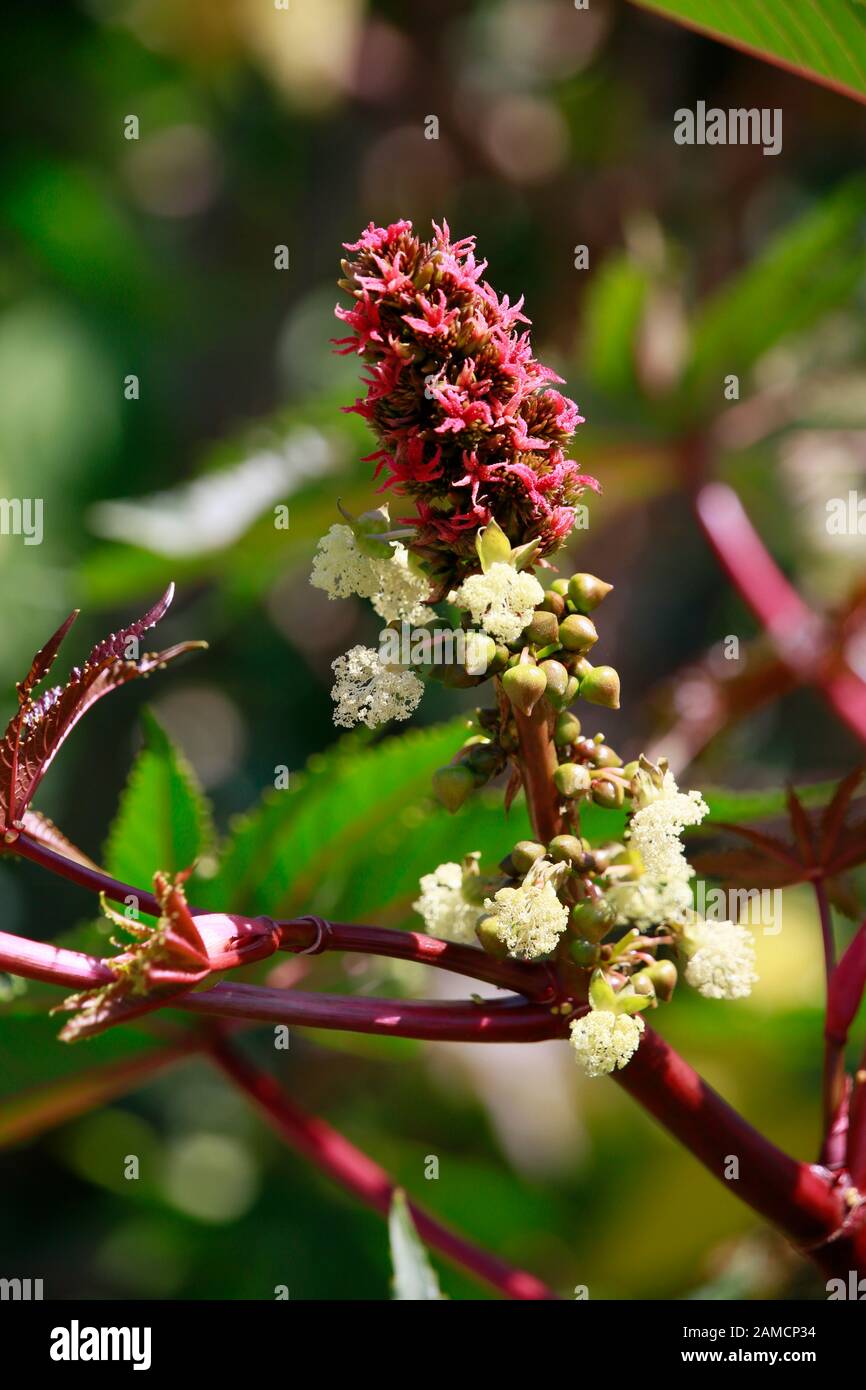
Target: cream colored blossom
x,y
502,600
445,910
368,692
656,888
530,919
721,959
605,1041
341,568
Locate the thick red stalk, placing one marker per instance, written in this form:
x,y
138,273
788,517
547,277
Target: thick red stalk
x,y
538,762
802,1199
505,1020
353,1170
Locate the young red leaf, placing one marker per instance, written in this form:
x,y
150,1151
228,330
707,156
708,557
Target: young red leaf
x,y
36,733
163,962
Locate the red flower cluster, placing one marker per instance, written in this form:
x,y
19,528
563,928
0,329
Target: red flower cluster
x,y
469,423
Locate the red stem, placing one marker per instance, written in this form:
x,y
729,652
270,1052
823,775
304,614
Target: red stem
x,y
833,1084
796,631
353,1170
800,1198
538,762
532,979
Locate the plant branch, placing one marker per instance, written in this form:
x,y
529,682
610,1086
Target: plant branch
x,y
246,939
538,763
801,1199
339,1159
833,1086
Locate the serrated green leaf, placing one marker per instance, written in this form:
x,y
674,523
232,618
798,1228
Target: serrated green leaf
x,y
300,849
414,1276
825,42
164,820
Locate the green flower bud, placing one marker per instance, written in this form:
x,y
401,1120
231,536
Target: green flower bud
x,y
483,758
571,779
501,658
542,628
642,984
524,685
577,633
567,849
571,690
586,591
663,974
591,920
560,586
583,952
604,756
608,792
600,686
524,855
480,654
452,785
567,729
557,681
489,938
553,603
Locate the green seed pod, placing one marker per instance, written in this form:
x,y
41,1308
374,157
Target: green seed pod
x,y
586,591
567,729
542,628
452,785
553,603
557,681
524,855
489,938
600,686
577,633
609,793
567,849
524,685
571,779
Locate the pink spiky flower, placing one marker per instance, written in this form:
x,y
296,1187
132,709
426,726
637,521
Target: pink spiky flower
x,y
470,424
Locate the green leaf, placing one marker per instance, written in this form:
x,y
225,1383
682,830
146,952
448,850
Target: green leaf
x,y
414,1276
601,996
163,821
825,42
300,849
805,271
493,546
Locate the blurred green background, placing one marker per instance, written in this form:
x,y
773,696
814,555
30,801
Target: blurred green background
x,y
154,257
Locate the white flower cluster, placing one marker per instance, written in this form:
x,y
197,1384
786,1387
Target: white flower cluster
x,y
341,568
721,959
530,919
445,910
368,692
662,891
605,1041
502,600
